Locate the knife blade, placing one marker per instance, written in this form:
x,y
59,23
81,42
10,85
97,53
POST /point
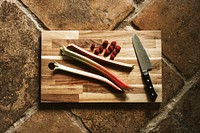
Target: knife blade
x,y
145,66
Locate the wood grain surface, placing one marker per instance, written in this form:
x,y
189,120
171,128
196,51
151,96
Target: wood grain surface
x,y
58,86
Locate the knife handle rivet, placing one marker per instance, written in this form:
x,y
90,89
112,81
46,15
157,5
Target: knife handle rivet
x,y
147,80
152,94
150,87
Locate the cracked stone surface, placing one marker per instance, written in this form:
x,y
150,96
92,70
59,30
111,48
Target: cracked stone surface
x,y
171,83
19,50
185,117
115,118
138,1
79,14
179,22
49,121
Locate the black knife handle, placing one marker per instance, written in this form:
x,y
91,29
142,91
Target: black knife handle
x,y
150,88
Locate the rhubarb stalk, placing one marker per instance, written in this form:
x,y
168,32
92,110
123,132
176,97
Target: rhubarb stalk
x,y
56,66
97,58
111,76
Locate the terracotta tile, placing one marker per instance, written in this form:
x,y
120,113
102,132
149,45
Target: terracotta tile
x,y
80,15
19,69
178,20
138,1
115,118
185,117
49,121
172,83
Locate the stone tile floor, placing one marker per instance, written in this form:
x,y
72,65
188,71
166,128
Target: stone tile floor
x,y
21,23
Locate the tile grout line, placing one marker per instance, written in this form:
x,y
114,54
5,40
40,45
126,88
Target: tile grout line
x,y
26,115
173,67
187,84
77,121
32,110
124,19
163,114
39,25
173,102
138,8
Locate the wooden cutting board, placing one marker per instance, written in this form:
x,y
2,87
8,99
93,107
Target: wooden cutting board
x,y
58,86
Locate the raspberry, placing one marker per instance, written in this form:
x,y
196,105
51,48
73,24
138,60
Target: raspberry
x,y
117,48
112,57
92,47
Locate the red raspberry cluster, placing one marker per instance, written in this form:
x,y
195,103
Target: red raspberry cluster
x,y
113,49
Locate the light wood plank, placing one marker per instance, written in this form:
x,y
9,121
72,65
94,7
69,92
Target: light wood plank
x,y
65,87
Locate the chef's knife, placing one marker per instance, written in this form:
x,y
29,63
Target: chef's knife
x,y
145,65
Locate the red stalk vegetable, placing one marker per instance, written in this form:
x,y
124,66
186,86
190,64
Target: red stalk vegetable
x,y
105,44
112,56
114,52
101,49
113,43
111,48
117,48
92,47
56,66
111,76
106,53
97,51
99,59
